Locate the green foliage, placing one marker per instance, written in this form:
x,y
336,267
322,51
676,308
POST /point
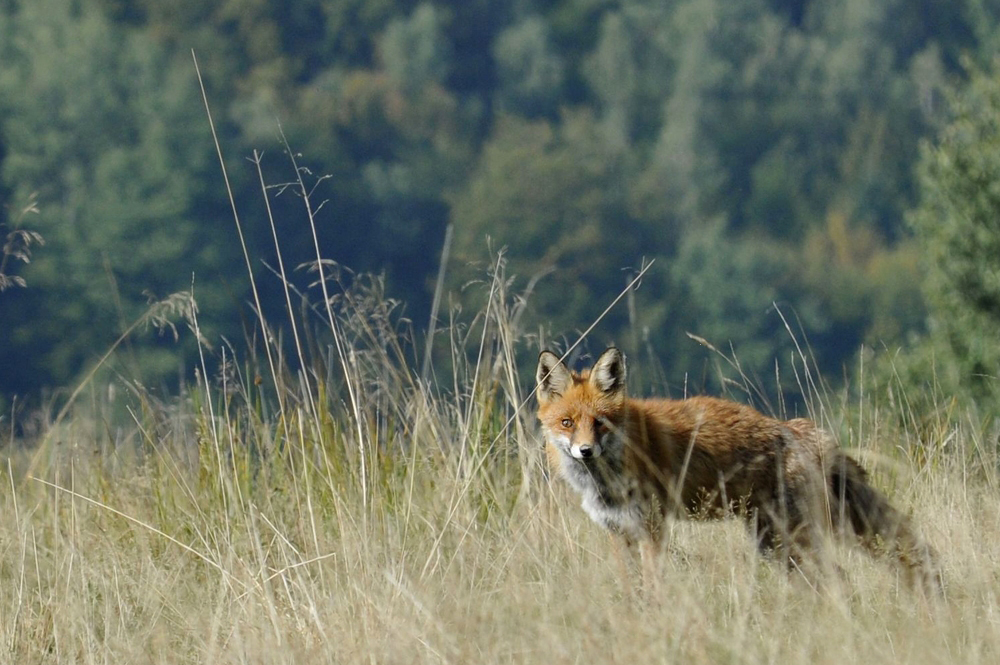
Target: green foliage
x,y
531,75
551,196
414,51
17,244
766,142
730,288
958,226
104,126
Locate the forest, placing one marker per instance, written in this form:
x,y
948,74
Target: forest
x,y
799,173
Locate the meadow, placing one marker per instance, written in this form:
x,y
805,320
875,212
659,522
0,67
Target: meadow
x,y
357,505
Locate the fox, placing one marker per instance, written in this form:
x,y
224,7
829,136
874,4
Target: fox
x,y
635,463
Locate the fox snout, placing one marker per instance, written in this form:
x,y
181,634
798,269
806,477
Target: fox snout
x,y
585,450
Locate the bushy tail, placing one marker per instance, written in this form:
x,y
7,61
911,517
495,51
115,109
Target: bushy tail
x,y
879,526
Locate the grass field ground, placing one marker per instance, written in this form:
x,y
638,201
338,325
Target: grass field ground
x,y
353,513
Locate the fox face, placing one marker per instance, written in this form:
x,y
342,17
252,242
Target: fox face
x,y
580,412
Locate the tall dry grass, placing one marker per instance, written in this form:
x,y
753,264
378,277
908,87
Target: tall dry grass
x,y
347,512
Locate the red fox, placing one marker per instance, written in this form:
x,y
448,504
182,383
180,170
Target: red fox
x,y
637,461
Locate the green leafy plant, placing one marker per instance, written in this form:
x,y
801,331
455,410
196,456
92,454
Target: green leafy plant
x,y
17,245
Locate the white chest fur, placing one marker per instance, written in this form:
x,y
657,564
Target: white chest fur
x,y
610,497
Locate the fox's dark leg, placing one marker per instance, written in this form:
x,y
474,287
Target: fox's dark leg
x,y
783,537
785,530
639,555
760,530
774,521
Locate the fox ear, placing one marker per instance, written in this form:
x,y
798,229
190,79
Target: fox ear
x,y
552,377
608,374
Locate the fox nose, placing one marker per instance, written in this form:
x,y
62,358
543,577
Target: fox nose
x,y
586,451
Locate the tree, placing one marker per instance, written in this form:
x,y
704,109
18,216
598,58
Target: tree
x,y
108,130
958,225
531,74
553,196
415,53
611,73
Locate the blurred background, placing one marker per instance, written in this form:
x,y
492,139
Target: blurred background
x,y
829,167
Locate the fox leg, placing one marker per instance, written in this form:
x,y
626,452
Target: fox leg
x,y
652,543
649,553
786,534
639,565
628,556
624,558
638,562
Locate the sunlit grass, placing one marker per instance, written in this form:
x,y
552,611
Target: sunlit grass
x,y
417,524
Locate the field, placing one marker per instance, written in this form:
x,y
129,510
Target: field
x,y
373,510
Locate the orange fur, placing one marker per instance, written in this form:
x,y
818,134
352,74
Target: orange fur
x,y
635,462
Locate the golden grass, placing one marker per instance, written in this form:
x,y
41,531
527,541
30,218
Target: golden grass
x,y
221,529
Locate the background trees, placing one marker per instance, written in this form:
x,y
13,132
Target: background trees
x,y
957,223
762,151
101,125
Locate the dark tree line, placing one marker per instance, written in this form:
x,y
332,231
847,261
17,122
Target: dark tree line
x,y
764,152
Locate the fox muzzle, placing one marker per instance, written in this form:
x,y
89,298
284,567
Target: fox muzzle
x,y
585,450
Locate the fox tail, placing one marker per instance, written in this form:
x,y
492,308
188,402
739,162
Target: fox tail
x,y
880,527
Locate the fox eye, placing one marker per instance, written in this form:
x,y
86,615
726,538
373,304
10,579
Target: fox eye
x,y
567,422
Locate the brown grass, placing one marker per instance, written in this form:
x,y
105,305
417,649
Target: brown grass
x,y
219,528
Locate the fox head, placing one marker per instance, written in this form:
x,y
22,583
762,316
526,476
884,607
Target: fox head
x,y
580,411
